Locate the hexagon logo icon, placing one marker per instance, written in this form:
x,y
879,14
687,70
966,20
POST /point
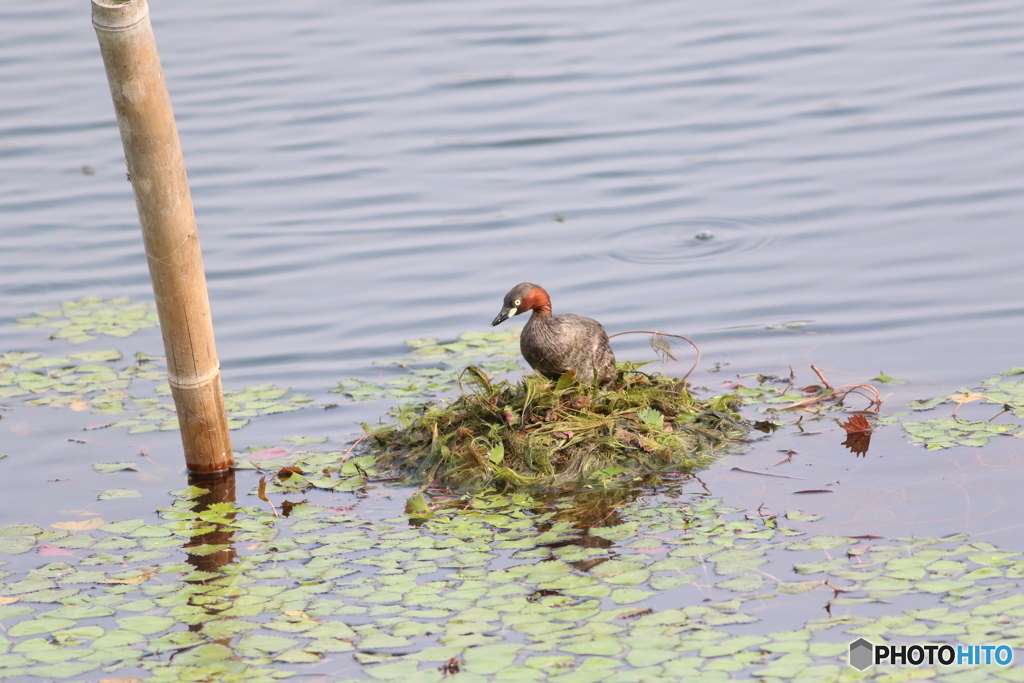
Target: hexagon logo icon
x,y
861,654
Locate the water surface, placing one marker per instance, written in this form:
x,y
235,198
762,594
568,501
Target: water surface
x,y
365,173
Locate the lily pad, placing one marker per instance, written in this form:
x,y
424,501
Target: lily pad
x,y
16,545
110,467
118,494
146,626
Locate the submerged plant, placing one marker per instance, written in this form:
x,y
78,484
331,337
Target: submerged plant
x,y
509,587
88,382
538,432
946,432
81,321
432,368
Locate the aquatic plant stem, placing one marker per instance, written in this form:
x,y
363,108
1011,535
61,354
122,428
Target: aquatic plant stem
x,y
352,448
865,390
666,334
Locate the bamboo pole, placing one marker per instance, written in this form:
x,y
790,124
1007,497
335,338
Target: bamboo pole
x,y
156,168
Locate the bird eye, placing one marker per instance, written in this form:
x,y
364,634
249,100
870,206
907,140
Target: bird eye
x,y
518,302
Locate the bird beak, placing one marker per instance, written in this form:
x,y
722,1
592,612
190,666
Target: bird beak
x,y
505,314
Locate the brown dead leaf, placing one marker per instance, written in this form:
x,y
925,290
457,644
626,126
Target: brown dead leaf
x,y
261,491
79,513
858,434
286,506
8,601
858,424
300,614
622,434
580,402
858,442
79,406
647,444
286,472
967,397
141,578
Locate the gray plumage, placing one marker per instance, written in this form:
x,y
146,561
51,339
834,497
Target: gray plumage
x,y
556,344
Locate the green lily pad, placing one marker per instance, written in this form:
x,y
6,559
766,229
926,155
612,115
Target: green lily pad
x,y
100,356
626,596
109,467
145,625
16,545
32,627
64,669
20,530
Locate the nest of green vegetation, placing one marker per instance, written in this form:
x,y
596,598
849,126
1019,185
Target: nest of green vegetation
x,y
544,433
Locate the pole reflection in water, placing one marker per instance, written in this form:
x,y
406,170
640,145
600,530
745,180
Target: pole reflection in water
x,y
211,551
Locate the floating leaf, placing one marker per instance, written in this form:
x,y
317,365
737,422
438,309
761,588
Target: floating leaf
x,y
98,356
16,545
858,424
83,525
270,454
268,643
78,321
670,581
798,516
109,467
742,584
20,530
796,587
416,506
145,625
36,626
305,440
626,596
117,494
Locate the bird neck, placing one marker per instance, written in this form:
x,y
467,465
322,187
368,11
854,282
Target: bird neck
x,y
542,310
538,301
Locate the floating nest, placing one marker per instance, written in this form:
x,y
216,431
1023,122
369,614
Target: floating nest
x,y
542,433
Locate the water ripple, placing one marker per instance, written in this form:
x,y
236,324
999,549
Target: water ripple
x,y
685,240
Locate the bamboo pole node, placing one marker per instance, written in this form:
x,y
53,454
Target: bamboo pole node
x,y
156,168
213,375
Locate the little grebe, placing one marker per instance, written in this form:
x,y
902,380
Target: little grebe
x,y
555,344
